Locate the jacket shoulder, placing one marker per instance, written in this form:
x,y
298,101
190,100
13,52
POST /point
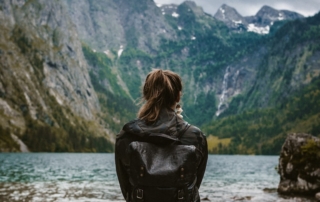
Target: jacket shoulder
x,y
193,135
194,130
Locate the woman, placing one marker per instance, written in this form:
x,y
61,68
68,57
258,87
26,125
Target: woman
x,y
159,129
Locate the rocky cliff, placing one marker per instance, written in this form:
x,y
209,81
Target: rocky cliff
x,y
231,18
45,87
112,24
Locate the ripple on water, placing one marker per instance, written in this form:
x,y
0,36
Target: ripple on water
x,y
92,177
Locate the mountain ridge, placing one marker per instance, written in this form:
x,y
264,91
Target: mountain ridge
x,y
85,81
259,23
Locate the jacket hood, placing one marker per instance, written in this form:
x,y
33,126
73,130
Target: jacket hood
x,y
168,123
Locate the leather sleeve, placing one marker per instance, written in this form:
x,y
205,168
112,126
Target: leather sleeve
x,y
194,136
120,166
203,162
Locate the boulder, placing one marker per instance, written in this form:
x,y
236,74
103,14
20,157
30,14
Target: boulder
x,y
299,165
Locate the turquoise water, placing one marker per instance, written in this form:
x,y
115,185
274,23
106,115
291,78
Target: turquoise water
x,y
92,177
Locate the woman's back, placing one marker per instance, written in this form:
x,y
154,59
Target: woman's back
x,y
163,160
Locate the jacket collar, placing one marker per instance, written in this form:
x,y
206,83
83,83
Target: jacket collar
x,y
166,123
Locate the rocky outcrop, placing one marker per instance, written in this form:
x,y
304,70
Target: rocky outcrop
x,y
111,24
45,35
231,18
45,87
299,165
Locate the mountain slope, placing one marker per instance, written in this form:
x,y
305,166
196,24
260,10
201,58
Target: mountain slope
x,y
110,24
231,18
47,98
57,94
284,97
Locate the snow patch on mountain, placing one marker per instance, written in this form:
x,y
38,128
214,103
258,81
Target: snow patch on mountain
x,y
259,30
237,22
259,23
223,15
281,17
174,14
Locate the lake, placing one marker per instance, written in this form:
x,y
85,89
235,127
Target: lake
x,y
92,177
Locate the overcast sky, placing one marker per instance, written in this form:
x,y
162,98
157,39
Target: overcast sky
x,y
251,7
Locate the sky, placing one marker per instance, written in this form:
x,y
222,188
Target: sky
x,y
251,7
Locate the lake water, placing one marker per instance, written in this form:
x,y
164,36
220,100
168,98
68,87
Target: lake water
x,y
92,177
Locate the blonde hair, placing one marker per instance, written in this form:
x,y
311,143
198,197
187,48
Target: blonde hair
x,y
161,90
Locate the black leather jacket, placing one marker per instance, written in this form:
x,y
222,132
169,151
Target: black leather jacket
x,y
168,123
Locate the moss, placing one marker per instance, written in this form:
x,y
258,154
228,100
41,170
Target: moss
x,y
311,151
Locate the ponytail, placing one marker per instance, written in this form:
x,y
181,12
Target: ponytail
x,y
161,90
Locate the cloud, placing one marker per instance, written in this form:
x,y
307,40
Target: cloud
x,y
303,8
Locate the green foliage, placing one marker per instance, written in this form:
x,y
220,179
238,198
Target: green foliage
x,y
251,129
102,70
43,138
284,70
130,62
307,159
115,104
262,131
311,151
203,110
6,141
63,135
188,18
132,37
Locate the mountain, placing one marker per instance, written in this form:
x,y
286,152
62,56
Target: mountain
x,y
112,24
283,99
87,61
47,98
169,9
259,23
231,18
268,15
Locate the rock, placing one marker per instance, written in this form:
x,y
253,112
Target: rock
x,y
299,166
230,17
241,198
141,18
205,199
44,75
270,190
